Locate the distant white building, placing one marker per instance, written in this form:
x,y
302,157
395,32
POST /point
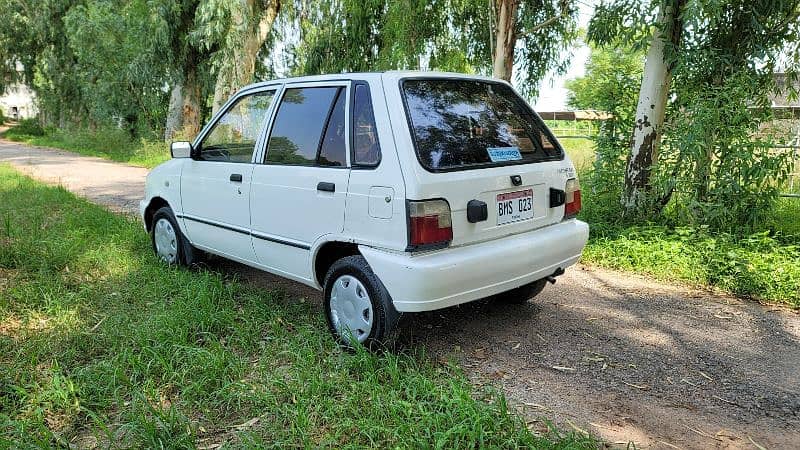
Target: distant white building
x,y
18,101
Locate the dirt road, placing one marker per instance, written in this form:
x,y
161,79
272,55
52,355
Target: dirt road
x,y
116,186
621,356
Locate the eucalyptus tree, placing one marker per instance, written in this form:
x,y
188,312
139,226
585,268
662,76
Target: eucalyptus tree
x,y
119,67
543,27
188,65
484,36
657,75
32,33
720,56
237,29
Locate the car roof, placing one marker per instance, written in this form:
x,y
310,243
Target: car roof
x,y
369,76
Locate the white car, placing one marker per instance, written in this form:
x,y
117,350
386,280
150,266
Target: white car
x,y
390,192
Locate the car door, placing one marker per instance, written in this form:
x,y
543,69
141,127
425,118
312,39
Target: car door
x,y
215,186
298,191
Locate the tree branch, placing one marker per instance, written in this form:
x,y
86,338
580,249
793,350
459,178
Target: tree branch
x,y
564,8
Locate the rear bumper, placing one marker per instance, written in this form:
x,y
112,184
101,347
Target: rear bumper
x,y
458,275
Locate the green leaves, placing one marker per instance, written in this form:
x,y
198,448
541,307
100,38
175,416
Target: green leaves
x,y
716,163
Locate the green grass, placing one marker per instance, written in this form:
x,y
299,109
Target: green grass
x,y
109,143
580,151
102,344
760,265
763,265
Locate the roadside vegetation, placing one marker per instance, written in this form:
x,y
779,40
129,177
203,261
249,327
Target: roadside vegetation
x,y
109,143
102,344
762,263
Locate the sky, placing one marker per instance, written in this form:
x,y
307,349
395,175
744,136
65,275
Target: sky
x,y
552,94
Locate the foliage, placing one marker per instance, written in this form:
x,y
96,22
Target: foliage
x,y
455,35
104,346
25,128
33,34
715,166
544,29
610,84
356,36
116,47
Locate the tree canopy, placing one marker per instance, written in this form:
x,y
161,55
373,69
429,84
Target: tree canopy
x,y
160,66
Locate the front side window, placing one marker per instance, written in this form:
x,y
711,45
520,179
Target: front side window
x,y
233,137
366,149
458,124
297,133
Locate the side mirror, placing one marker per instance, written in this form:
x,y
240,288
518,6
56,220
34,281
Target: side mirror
x,y
181,149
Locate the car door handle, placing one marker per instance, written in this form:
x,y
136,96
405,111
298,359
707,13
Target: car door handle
x,y
237,177
325,186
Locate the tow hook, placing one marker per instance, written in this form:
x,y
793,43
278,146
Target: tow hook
x,y
552,278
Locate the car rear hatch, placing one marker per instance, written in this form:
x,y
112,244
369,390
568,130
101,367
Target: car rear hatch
x,y
481,147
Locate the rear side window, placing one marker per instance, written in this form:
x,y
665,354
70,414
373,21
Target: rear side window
x,y
366,149
298,128
333,149
462,124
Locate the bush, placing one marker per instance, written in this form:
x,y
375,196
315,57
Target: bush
x,y
2,117
717,161
26,127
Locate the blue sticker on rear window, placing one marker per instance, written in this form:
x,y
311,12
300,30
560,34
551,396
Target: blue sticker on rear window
x,y
501,154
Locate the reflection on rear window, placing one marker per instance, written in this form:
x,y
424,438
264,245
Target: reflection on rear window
x,y
469,123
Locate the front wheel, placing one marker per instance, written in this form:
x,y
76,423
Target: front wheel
x,y
169,243
358,307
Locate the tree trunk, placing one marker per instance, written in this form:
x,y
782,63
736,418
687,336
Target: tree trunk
x,y
183,115
651,108
174,112
505,39
239,71
190,114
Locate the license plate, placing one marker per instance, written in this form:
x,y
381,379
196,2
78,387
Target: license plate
x,y
514,206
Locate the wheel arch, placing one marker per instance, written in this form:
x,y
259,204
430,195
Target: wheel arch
x,y
328,253
155,204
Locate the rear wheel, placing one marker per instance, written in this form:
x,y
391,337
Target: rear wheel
x,y
358,307
522,294
169,243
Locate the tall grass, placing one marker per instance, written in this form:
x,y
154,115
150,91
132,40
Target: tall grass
x,y
109,143
100,344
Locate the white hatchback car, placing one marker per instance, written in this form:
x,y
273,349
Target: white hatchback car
x,y
391,192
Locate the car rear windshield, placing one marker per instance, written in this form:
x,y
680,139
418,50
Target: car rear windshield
x,y
464,124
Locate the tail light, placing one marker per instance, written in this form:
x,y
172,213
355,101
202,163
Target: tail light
x,y
573,201
429,224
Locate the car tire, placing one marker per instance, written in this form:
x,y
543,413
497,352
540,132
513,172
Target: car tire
x,y
169,243
521,295
357,305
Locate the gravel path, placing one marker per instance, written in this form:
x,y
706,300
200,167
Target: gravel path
x,y
622,356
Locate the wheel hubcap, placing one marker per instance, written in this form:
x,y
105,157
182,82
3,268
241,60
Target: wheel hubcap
x,y
166,241
351,309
